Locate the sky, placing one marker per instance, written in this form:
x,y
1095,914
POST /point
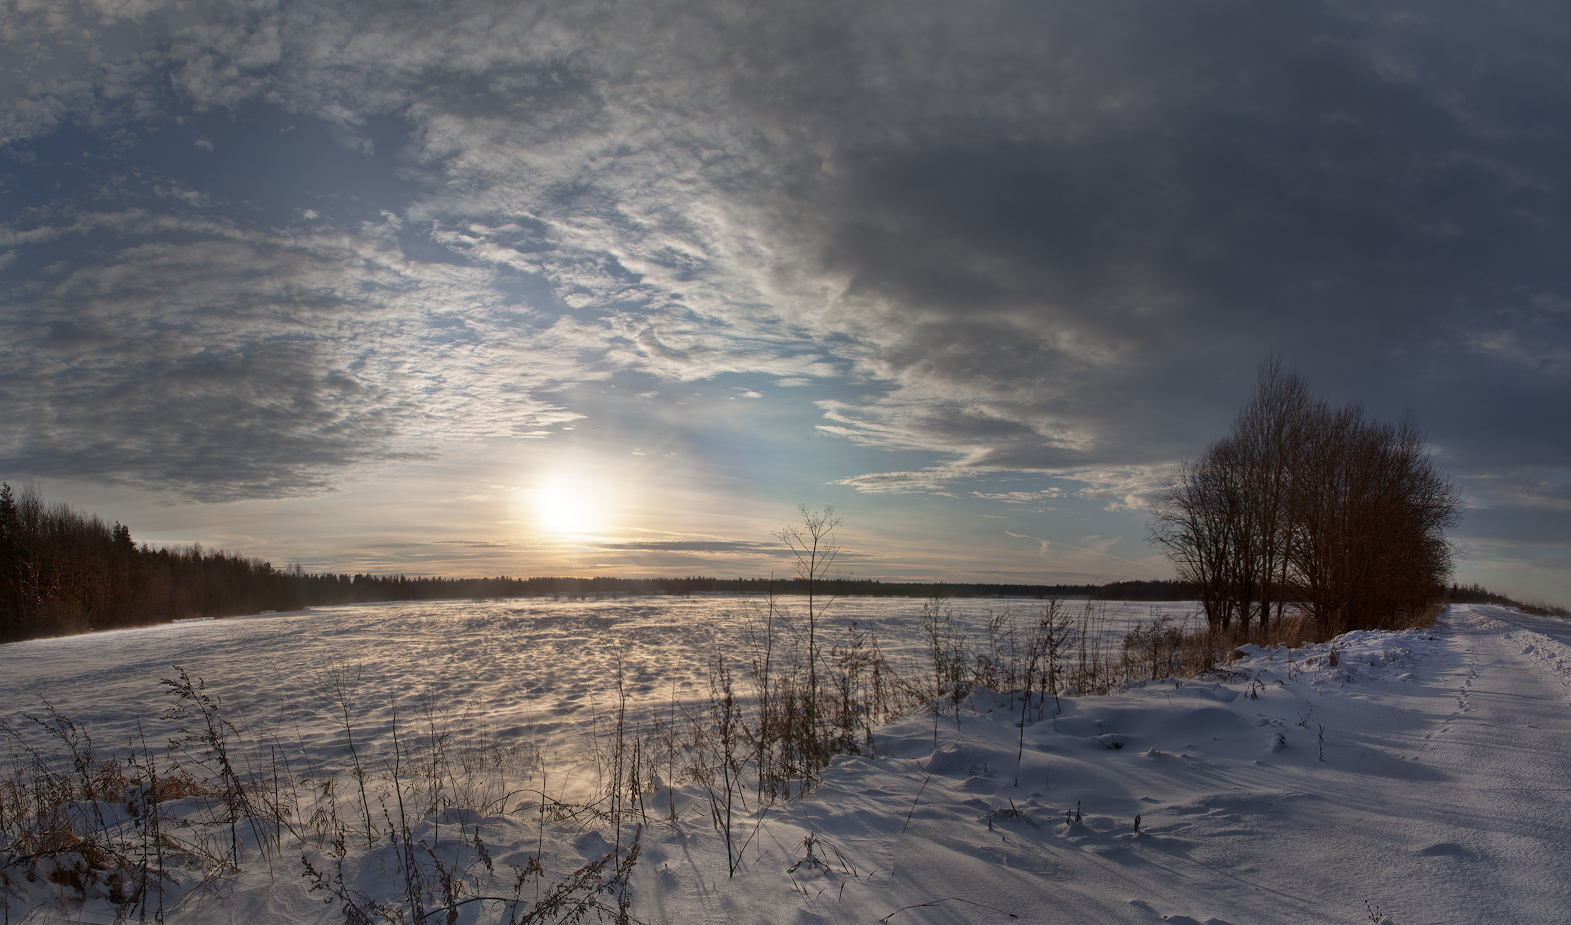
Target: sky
x,y
610,288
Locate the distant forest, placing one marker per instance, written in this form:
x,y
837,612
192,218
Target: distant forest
x,y
64,572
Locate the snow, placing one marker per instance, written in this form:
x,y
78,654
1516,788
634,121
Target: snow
x,y
1422,772
539,671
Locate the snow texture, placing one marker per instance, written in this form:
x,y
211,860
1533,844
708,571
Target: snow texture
x,y
1423,773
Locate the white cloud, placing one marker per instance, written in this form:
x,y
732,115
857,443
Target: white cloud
x,y
935,481
1019,497
1130,488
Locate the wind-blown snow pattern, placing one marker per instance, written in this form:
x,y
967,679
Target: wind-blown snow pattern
x,y
537,670
1423,774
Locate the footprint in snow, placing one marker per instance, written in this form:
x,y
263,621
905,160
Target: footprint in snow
x,y
592,846
1444,849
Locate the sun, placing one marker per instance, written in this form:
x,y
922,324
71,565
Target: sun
x,y
567,504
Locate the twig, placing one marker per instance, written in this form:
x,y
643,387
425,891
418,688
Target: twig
x,y
948,899
918,799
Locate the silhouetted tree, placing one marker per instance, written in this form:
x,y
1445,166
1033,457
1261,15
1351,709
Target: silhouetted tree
x,y
1372,511
1344,515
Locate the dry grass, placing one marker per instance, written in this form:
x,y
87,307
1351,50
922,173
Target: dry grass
x,y
146,829
1202,647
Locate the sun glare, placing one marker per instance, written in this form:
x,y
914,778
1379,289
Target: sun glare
x,y
571,505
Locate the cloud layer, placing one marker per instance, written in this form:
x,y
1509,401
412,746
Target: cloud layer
x,y
1023,239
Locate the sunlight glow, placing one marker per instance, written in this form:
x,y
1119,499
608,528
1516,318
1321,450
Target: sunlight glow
x,y
570,504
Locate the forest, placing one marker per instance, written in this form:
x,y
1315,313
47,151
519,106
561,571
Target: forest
x,y
63,571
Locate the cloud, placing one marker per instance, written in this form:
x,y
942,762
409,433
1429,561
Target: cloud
x,y
1127,489
1541,489
1091,557
936,481
700,546
1048,239
1133,488
240,363
475,544
1019,497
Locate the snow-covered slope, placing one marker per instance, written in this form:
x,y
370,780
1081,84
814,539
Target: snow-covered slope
x,y
1427,773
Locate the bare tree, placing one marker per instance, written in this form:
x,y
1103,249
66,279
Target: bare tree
x,y
1195,521
1266,437
1305,501
813,552
1372,511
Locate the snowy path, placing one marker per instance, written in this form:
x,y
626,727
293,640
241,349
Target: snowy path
x,y
1505,746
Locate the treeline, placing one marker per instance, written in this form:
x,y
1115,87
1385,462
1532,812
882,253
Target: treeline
x,y
62,571
351,589
1478,594
1170,590
1314,506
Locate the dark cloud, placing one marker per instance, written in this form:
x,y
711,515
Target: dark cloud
x,y
1172,195
192,397
194,355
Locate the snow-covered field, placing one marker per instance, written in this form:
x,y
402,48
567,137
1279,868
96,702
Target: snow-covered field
x,y
540,670
1427,773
